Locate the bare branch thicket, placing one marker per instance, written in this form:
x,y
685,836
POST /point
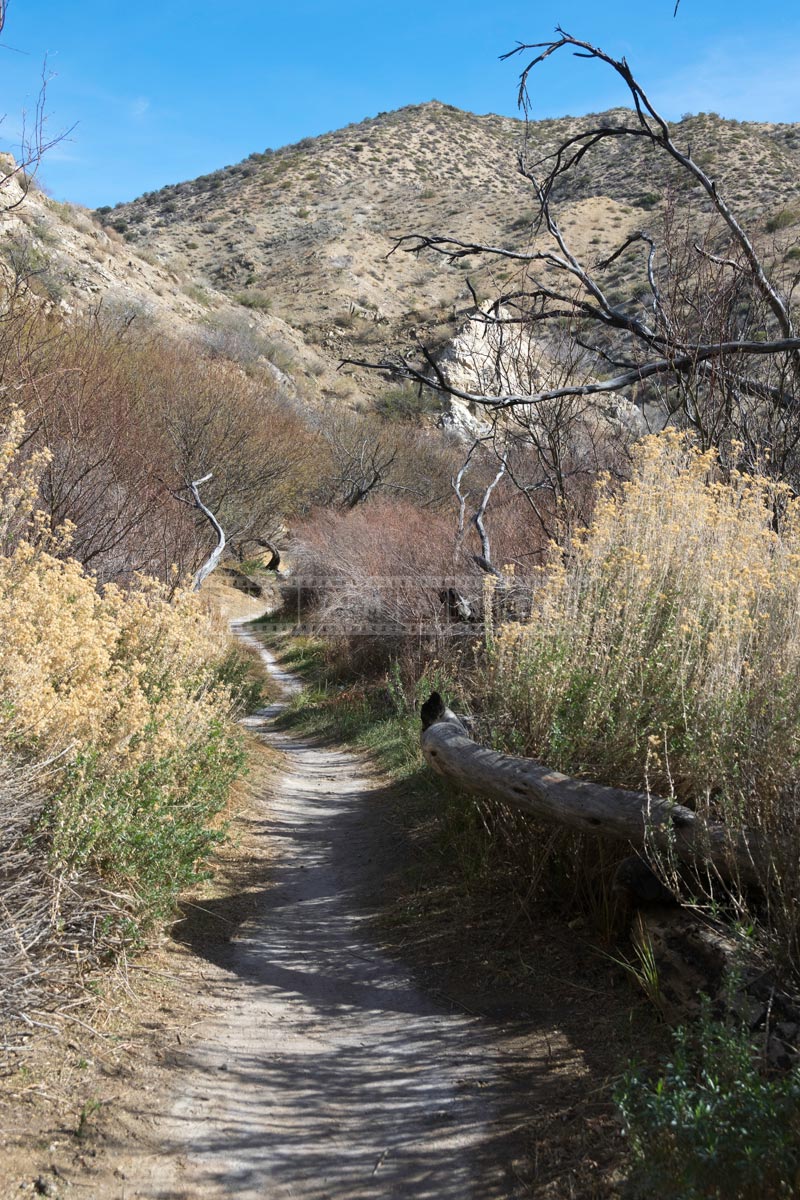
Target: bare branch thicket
x,y
709,337
260,449
366,456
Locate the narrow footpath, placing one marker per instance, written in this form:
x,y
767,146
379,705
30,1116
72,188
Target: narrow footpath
x,y
324,1072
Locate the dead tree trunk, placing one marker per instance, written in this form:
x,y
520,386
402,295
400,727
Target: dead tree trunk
x,y
634,817
216,554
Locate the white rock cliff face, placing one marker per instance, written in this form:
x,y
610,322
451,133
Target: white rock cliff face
x,y
489,359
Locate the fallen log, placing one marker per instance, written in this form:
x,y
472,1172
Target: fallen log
x,y
683,954
691,956
642,820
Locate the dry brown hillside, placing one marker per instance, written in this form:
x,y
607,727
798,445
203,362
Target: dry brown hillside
x,y
74,264
303,233
282,258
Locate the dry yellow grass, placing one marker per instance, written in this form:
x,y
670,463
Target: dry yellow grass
x,y
664,651
119,704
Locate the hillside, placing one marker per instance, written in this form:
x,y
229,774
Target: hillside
x,y
303,233
74,265
285,258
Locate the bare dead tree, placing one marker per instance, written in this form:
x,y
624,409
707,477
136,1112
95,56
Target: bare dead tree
x,y
462,497
216,554
367,471
478,520
34,141
362,460
735,350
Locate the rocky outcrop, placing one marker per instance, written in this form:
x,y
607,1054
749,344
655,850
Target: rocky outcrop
x,y
491,359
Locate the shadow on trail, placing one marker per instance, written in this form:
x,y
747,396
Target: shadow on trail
x,y
343,1079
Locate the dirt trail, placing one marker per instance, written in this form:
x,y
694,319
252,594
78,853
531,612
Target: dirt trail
x,y
325,1073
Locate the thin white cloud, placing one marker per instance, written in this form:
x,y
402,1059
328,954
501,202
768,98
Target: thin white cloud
x,y
735,82
58,154
138,108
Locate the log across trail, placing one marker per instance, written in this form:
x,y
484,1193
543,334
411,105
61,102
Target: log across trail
x,y
324,1072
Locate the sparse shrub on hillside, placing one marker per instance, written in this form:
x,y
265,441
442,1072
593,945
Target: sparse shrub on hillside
x,y
197,293
783,219
254,298
31,264
407,403
648,200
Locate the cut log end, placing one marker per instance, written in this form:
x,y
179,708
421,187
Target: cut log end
x,y
433,710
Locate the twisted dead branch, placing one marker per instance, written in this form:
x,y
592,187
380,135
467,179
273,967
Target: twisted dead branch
x,y
216,554
657,340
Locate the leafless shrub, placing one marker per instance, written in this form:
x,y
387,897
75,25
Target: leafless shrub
x,y
128,416
378,575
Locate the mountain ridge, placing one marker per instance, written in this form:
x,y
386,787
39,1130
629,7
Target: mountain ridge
x,y
306,232
287,255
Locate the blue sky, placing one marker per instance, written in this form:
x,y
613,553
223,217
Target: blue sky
x,y
161,92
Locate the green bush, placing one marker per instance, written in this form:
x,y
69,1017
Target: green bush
x,y
128,829
648,200
782,220
254,298
407,402
712,1126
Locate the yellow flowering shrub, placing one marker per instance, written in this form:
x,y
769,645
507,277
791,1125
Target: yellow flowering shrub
x,y
663,647
126,696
